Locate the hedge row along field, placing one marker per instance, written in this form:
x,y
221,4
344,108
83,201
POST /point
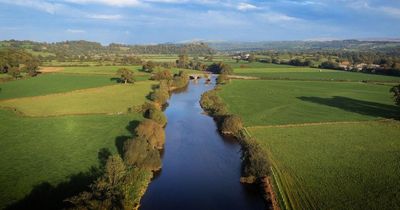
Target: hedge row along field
x,y
328,142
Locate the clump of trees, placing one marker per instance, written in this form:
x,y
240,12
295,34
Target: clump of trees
x,y
180,80
220,68
149,66
231,125
118,188
255,160
152,132
162,75
18,63
126,75
157,116
396,94
140,154
213,104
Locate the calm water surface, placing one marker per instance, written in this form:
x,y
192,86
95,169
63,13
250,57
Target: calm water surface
x,y
201,170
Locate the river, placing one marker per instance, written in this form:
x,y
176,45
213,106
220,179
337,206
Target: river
x,y
201,169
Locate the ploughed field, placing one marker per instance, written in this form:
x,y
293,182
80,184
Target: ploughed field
x,y
57,127
332,145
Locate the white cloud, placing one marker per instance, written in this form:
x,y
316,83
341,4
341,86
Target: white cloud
x,y
105,17
76,31
279,17
118,3
392,11
246,6
40,5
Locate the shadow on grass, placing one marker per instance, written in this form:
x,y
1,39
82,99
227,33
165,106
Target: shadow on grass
x,y
116,79
47,196
120,140
357,106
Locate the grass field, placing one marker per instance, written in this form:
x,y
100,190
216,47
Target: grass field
x,y
45,157
50,149
343,166
51,83
328,142
305,73
108,70
104,100
272,102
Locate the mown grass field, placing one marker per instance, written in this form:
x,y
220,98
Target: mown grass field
x,y
50,149
273,102
51,154
113,99
342,166
51,83
272,71
328,142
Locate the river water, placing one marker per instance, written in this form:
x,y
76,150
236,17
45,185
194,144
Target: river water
x,y
201,169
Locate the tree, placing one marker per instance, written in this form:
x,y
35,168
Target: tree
x,y
126,75
152,132
232,125
251,58
139,153
149,66
396,94
162,75
157,116
220,68
222,79
182,61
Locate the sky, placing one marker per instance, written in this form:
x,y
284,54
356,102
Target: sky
x,y
161,21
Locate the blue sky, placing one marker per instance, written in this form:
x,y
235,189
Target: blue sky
x,y
159,21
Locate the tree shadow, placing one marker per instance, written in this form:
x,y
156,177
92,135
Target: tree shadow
x,y
357,106
116,79
47,196
120,140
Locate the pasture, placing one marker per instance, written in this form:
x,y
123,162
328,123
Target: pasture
x,y
329,143
274,102
51,83
336,166
272,71
115,99
50,150
56,153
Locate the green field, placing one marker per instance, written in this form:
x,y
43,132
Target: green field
x,y
328,142
343,166
272,71
51,83
108,70
115,99
50,156
273,102
50,149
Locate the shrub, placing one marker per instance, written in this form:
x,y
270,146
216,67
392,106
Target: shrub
x,y
139,153
232,125
162,75
160,96
157,116
152,132
222,79
255,159
211,103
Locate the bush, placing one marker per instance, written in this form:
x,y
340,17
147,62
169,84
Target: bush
x,y
162,75
152,132
255,159
157,116
160,96
211,103
232,125
222,79
139,153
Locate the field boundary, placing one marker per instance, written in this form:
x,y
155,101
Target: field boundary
x,y
317,123
376,82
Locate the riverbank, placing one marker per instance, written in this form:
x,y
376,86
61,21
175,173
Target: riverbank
x,y
256,169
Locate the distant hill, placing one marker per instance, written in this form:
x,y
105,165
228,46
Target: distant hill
x,y
392,46
86,48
